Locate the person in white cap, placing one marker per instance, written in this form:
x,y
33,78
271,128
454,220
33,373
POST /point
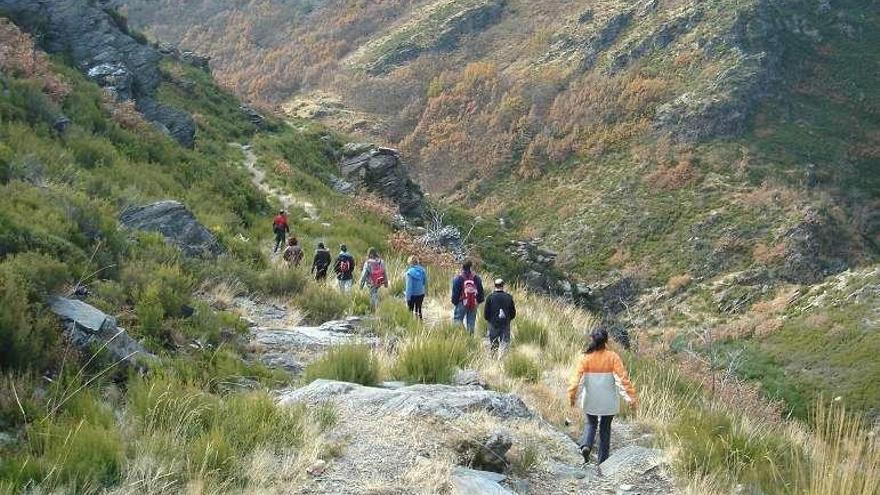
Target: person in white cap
x,y
499,311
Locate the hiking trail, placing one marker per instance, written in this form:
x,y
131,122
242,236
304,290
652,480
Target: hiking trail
x,y
258,178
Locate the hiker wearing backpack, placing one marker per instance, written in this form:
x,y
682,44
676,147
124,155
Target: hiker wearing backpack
x,y
467,295
602,380
344,269
416,281
293,253
499,311
281,228
374,273
321,262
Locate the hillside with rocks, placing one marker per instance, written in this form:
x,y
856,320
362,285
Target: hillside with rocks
x,y
151,341
709,157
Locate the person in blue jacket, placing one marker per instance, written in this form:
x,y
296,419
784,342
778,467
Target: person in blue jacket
x,y
416,278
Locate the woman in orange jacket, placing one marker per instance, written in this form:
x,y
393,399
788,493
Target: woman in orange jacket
x,y
602,380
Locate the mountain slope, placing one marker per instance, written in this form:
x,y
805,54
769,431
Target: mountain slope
x,y
690,162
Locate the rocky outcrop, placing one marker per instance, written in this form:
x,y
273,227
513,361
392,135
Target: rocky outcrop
x,y
176,223
437,29
750,56
445,401
660,38
473,482
380,171
100,45
89,329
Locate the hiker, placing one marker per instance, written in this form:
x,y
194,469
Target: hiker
x,y
281,229
374,273
467,294
416,281
293,254
321,262
344,269
499,311
600,376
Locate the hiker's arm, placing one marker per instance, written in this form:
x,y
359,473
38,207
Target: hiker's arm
x,y
481,294
486,312
623,384
512,309
385,271
456,292
364,274
575,381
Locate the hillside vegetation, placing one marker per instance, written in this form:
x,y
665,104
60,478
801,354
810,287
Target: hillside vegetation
x,y
203,418
726,150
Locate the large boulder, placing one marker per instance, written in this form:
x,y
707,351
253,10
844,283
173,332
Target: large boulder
x,y
90,329
444,401
380,171
176,223
101,46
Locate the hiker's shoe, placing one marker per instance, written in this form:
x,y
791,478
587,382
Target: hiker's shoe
x,y
585,452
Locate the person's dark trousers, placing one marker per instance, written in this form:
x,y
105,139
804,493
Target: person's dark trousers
x,y
414,303
280,239
603,423
321,275
499,336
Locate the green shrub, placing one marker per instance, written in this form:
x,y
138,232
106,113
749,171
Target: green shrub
x,y
281,281
354,363
434,356
360,303
518,365
150,314
530,332
28,332
394,318
321,302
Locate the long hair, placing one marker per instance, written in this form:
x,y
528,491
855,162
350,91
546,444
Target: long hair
x,y
373,254
598,340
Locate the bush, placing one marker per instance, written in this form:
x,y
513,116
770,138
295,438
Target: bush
x,y
518,365
394,318
322,303
281,281
354,363
530,332
434,357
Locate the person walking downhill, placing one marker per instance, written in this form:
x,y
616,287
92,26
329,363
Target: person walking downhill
x,y
499,311
281,228
293,253
416,281
602,380
467,295
321,262
344,269
374,273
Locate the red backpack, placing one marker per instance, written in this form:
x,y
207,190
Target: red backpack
x,y
377,274
344,266
469,292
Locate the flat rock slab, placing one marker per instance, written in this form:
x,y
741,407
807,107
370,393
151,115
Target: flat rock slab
x,y
472,482
444,401
307,338
632,461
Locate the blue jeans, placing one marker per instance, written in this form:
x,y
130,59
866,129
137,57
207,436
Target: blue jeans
x,y
469,318
588,438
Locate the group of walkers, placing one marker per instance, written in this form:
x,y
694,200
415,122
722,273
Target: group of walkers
x,y
599,379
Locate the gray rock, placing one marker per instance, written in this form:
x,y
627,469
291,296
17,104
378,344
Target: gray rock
x,y
379,170
605,37
176,223
61,124
631,462
564,471
468,378
105,51
89,329
472,482
306,339
282,361
443,401
492,454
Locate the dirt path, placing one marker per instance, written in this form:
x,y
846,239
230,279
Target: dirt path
x,y
258,177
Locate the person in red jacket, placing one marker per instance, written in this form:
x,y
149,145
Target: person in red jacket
x,y
281,229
